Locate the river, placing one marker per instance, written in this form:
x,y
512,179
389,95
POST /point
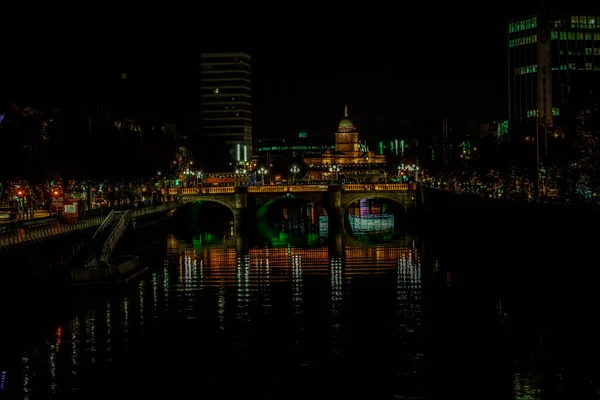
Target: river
x,y
337,318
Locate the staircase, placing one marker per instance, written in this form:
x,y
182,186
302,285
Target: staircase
x,y
106,238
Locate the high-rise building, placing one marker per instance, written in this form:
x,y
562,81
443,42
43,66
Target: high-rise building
x,y
226,109
553,66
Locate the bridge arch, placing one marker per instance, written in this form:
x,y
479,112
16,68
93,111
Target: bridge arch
x,y
272,229
348,199
224,203
351,198
267,199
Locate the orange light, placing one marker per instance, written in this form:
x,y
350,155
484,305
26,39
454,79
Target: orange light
x,y
56,193
20,193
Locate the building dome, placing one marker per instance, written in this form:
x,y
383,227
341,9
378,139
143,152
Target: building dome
x,y
345,124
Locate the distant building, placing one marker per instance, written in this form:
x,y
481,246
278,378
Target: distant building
x,y
553,66
349,156
226,109
280,153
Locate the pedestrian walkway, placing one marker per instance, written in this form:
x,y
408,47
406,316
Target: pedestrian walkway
x,y
26,235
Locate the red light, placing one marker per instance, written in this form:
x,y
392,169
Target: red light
x,y
56,192
20,193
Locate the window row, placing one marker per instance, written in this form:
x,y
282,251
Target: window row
x,y
563,35
522,25
529,69
588,66
521,41
585,22
534,113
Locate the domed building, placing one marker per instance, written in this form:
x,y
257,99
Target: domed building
x,y
349,158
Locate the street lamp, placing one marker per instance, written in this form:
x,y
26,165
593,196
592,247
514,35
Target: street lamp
x,y
54,194
333,170
294,170
262,171
240,172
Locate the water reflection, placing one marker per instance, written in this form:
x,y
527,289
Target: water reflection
x,y
243,286
342,312
336,300
297,290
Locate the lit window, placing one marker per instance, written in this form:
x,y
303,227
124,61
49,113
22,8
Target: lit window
x,y
574,21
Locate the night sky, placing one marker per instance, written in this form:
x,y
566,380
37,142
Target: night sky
x,y
397,68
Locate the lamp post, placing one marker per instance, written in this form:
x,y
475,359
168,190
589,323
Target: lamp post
x,y
262,171
295,170
241,171
54,194
333,170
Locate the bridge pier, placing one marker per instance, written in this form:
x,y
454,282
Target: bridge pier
x,y
241,244
336,246
335,214
241,210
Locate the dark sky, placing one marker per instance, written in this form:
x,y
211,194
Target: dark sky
x,y
397,68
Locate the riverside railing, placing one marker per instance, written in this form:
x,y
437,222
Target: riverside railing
x,y
39,233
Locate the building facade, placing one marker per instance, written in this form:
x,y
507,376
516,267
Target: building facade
x,y
553,66
226,109
349,157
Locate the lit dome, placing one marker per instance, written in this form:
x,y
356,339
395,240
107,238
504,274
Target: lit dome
x,y
346,126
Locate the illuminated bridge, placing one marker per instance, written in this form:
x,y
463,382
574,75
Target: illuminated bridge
x,y
335,199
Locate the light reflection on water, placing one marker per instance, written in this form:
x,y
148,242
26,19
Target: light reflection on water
x,y
348,311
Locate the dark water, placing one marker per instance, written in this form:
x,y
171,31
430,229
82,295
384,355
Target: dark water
x,y
335,321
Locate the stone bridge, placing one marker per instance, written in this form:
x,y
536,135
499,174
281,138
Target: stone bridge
x,y
335,199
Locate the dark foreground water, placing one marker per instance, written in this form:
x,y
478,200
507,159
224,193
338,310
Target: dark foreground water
x,y
337,321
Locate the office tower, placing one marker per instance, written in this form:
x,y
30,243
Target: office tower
x,y
553,67
226,110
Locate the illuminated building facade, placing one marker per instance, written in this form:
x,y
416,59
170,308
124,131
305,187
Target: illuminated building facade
x,y
553,58
350,156
226,109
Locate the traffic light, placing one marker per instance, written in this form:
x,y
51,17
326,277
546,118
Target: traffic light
x,y
20,193
55,193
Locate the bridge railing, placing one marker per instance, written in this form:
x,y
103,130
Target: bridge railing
x,y
358,187
352,187
267,189
204,190
308,188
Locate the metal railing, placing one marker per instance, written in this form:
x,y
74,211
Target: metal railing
x,y
105,224
353,187
391,187
43,231
115,236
